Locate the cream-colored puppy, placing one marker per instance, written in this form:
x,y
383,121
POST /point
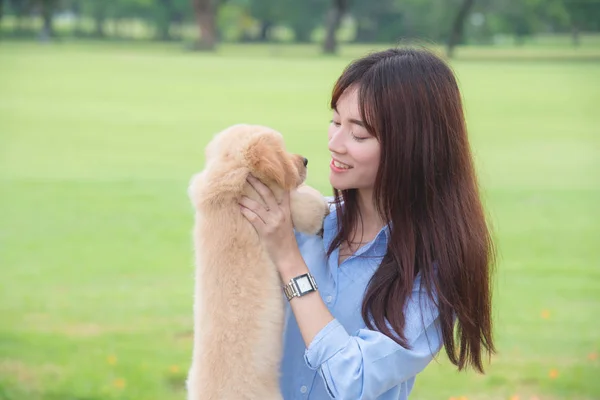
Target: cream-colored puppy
x,y
239,306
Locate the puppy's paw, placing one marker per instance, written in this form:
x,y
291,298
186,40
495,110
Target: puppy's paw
x,y
309,209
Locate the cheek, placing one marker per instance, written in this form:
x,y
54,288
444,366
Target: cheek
x,y
367,154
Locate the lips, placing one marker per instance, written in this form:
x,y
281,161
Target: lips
x,y
341,165
337,166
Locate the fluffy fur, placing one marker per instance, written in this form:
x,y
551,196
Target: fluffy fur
x,y
238,305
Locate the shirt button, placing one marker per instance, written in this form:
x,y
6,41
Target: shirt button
x,y
303,389
328,299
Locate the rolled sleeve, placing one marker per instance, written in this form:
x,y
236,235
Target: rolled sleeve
x,y
330,340
368,363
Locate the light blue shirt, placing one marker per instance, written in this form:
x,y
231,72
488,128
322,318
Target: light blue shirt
x,y
346,360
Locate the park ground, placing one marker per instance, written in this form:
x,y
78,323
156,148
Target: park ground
x,y
97,145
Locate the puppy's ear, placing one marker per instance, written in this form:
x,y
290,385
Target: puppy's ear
x,y
268,161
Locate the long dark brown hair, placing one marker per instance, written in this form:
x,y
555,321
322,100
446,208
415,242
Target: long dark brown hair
x,y
427,191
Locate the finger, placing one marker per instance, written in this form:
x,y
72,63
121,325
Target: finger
x,y
264,192
254,219
255,207
285,202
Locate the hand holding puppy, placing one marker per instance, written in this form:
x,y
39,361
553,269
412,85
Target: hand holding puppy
x,y
273,223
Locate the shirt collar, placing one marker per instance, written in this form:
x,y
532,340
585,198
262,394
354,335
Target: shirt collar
x,y
378,245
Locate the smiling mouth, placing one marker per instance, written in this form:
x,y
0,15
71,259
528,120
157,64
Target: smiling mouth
x,y
340,166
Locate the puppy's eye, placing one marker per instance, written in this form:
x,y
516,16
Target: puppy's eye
x,y
336,124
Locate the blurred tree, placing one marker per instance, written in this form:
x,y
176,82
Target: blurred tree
x,y
75,7
334,18
384,21
268,13
379,21
100,12
523,18
300,16
234,22
304,16
20,9
456,34
583,15
426,19
47,9
205,10
165,13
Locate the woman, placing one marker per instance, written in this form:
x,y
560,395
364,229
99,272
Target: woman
x,y
406,254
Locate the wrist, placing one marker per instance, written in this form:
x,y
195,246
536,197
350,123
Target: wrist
x,y
291,268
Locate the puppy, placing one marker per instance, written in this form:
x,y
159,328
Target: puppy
x,y
238,305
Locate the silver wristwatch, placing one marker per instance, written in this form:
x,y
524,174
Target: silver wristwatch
x,y
299,286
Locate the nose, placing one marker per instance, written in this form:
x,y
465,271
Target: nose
x,y
305,161
336,141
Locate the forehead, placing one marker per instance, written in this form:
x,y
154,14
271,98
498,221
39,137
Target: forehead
x,y
348,102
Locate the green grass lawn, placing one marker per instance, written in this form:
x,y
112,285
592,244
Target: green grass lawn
x,y
98,142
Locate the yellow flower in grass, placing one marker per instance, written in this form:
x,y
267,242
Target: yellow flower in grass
x,y
174,369
119,383
111,360
553,374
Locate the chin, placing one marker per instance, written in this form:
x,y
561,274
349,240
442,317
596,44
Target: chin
x,y
337,184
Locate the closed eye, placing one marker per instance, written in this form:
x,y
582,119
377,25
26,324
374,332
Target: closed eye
x,y
359,138
336,124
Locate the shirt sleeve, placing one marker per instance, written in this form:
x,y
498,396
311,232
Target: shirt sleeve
x,y
368,363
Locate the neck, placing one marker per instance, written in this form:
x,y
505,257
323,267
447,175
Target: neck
x,y
371,220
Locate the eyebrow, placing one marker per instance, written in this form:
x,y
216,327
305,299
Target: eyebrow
x,y
352,120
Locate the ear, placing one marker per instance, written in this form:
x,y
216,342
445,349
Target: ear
x,y
268,161
195,186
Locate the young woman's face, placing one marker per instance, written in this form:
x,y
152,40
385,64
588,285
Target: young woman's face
x,y
354,152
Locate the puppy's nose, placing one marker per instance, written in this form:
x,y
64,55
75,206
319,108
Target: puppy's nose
x,y
305,160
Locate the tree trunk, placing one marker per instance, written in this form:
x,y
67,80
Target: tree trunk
x,y
204,11
334,18
47,29
163,30
99,26
265,31
163,22
458,26
99,13
78,27
575,34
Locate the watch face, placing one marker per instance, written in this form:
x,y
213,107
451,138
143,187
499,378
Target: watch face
x,y
304,284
